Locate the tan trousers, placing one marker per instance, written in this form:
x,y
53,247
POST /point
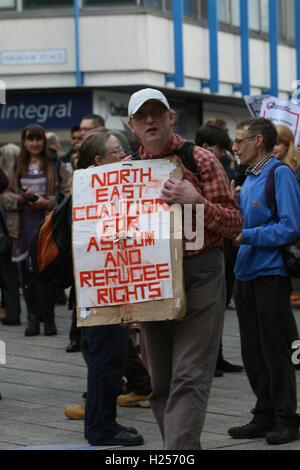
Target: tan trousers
x,y
182,354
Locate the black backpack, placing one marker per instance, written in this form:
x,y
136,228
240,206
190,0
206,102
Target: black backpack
x,y
186,155
50,254
290,253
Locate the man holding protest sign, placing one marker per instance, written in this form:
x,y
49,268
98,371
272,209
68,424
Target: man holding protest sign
x,y
182,353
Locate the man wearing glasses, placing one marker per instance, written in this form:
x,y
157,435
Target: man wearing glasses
x,y
262,289
182,354
94,122
91,123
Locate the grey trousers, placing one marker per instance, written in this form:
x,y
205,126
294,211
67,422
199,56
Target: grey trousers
x,y
182,354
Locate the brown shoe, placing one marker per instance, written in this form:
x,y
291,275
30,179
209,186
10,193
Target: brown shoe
x,y
295,295
75,412
2,313
132,399
295,299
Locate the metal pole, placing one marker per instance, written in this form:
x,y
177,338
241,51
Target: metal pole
x,y
244,26
297,36
79,75
273,37
213,83
178,16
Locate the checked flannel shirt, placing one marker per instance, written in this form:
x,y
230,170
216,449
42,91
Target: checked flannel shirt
x,y
222,217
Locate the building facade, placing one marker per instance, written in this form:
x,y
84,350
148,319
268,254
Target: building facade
x,y
62,59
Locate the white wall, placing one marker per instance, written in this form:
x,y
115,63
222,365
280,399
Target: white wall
x,y
131,50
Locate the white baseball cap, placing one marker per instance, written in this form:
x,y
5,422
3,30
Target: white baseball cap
x,y
140,97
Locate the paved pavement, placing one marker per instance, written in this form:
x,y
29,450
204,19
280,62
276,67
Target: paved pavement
x,y
39,379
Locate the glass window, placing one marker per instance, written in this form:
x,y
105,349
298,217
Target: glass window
x,y
290,19
8,4
168,5
229,13
155,3
224,11
264,14
203,10
235,12
254,15
191,8
286,13
109,2
46,3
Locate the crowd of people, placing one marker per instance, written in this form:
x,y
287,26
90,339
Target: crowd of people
x,y
240,262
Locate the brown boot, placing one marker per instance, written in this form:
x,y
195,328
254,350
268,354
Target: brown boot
x,y
132,399
2,313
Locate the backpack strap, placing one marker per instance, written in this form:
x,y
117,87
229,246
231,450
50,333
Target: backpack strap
x,y
18,176
270,190
270,195
186,156
135,156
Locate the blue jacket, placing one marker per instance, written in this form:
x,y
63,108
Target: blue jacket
x,y
260,253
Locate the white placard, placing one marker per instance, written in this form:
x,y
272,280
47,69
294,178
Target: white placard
x,y
121,234
254,104
282,112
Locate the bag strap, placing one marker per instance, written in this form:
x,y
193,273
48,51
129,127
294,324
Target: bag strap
x,y
18,176
135,156
270,194
57,166
186,155
270,190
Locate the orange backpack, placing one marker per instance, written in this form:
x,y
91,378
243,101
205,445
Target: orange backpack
x,y
50,254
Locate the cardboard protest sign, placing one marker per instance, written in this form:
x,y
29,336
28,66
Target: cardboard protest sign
x,y
282,112
127,244
254,104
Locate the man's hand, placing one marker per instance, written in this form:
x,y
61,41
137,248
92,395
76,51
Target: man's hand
x,y
235,191
180,192
238,240
40,204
